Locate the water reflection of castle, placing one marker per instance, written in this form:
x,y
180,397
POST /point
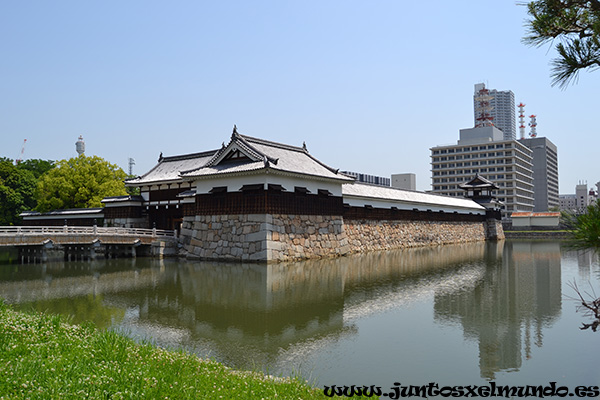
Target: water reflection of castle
x,y
502,294
507,311
271,307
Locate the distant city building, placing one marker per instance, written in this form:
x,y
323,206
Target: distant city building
x,y
372,179
484,151
501,110
567,202
545,173
579,201
404,181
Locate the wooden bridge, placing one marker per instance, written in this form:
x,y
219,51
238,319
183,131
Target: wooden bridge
x,y
37,243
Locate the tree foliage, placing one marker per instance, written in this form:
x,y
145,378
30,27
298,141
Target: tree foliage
x,y
17,192
37,167
575,26
79,182
585,227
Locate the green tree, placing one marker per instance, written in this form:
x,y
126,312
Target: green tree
x,y
79,182
17,192
575,27
585,227
37,167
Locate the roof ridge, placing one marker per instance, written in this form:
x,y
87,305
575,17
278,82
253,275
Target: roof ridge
x,y
171,158
272,143
288,147
188,156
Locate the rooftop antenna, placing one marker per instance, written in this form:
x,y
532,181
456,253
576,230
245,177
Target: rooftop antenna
x,y
533,125
80,145
483,107
131,164
522,120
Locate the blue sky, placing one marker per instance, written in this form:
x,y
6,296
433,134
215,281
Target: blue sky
x,y
370,86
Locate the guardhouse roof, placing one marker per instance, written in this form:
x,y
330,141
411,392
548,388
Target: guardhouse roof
x,y
479,182
245,154
168,169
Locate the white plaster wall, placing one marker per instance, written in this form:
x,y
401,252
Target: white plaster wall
x,y
234,183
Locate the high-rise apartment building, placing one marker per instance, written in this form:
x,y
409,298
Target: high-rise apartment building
x,y
545,173
485,151
502,112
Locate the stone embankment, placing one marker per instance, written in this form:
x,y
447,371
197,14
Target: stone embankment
x,y
282,237
364,235
546,234
259,237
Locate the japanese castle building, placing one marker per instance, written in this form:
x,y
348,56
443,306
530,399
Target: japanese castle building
x,y
254,199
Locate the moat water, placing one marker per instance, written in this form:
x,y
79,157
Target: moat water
x,y
454,315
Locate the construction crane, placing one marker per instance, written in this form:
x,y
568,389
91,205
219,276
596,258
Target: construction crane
x,y
20,158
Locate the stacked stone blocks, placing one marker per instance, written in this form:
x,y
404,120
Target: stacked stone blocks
x,y
284,237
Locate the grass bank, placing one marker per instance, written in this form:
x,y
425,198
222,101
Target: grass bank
x,y
43,357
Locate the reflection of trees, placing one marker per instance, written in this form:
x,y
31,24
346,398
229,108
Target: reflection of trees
x,y
507,310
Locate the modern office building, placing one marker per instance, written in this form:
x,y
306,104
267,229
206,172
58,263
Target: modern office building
x,y
484,151
545,173
501,109
365,178
579,201
567,202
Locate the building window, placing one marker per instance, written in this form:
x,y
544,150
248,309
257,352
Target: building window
x,y
301,190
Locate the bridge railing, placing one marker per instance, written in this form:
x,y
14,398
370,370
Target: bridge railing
x,y
84,230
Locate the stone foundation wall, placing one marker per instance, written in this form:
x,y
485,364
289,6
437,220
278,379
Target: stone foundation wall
x,y
495,230
368,235
282,237
226,237
263,237
296,237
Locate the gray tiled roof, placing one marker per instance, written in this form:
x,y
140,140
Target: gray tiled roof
x,y
66,212
265,154
168,169
393,194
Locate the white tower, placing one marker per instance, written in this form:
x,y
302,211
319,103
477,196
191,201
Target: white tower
x,y
522,120
533,125
80,145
